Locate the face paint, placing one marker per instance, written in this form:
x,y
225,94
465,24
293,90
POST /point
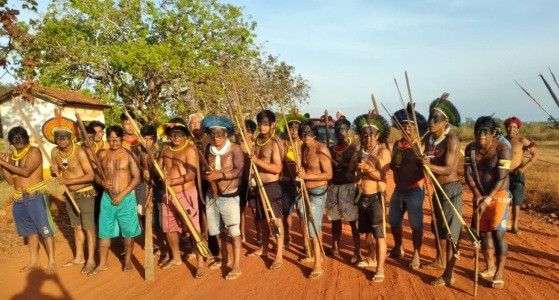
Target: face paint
x,y
307,131
436,117
482,131
177,133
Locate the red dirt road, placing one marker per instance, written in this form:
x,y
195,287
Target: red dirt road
x,y
532,272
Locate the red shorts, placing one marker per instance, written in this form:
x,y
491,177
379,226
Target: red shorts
x,y
171,220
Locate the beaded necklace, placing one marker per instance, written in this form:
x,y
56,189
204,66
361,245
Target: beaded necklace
x,y
339,153
179,148
16,155
97,148
266,142
65,159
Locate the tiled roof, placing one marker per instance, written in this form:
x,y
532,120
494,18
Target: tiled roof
x,y
63,97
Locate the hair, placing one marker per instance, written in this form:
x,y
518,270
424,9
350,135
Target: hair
x,y
513,120
307,115
485,121
311,124
200,115
250,125
342,121
18,130
89,129
96,123
124,117
266,114
178,120
148,130
116,129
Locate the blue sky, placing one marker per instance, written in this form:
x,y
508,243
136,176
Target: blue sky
x,y
472,49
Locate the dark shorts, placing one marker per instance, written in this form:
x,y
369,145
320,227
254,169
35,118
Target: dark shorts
x,y
289,196
454,193
371,219
516,187
86,203
245,197
273,191
32,215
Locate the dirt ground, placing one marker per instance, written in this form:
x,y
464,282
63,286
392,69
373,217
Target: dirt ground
x,y
532,270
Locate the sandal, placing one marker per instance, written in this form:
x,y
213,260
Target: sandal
x,y
378,278
276,265
498,284
233,275
366,264
218,263
316,274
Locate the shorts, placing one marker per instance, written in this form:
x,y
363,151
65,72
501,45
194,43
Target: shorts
x,y
246,197
274,193
223,214
86,203
289,196
496,213
171,219
317,196
371,215
32,215
410,200
339,202
454,193
516,187
118,218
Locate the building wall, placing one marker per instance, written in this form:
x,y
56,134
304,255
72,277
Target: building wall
x,y
38,114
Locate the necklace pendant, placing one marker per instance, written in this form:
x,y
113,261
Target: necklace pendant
x,y
65,163
17,163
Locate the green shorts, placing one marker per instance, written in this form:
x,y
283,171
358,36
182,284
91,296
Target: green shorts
x,y
118,218
86,203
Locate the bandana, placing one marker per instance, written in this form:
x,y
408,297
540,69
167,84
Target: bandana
x,y
219,153
513,120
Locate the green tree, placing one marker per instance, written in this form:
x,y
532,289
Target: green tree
x,y
159,57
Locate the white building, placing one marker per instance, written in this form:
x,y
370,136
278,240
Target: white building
x,y
46,99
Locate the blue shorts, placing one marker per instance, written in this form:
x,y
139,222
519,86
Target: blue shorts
x,y
407,200
118,218
317,196
32,215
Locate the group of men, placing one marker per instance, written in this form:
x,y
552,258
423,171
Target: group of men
x,y
212,170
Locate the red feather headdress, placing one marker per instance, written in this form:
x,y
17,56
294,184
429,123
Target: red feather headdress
x,y
60,123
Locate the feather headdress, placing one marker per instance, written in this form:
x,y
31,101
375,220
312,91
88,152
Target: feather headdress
x,y
377,122
60,123
175,123
294,116
446,107
401,117
217,121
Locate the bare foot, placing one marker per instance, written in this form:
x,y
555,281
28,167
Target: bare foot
x,y
98,270
73,262
88,268
127,268
415,263
200,272
487,273
29,267
51,268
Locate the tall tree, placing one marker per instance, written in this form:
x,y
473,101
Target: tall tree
x,y
159,57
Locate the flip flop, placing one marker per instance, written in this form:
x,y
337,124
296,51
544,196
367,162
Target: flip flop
x,y
233,275
486,275
442,282
72,264
378,278
171,264
316,274
498,284
216,264
366,264
254,254
276,265
200,273
307,260
87,269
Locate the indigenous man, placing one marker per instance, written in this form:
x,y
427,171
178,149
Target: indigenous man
x,y
72,168
290,187
24,169
226,160
180,161
518,166
487,163
442,150
372,163
118,203
267,157
341,194
315,171
409,192
99,128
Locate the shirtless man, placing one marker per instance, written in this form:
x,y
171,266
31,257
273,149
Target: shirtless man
x,y
315,171
267,157
491,159
339,202
409,193
518,166
118,203
442,150
72,168
226,160
24,170
180,161
372,162
99,142
289,186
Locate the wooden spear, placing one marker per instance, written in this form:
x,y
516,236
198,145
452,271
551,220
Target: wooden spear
x,y
550,90
538,103
45,153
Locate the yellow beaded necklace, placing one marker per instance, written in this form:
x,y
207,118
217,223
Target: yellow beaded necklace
x,y
16,156
266,142
65,159
179,148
